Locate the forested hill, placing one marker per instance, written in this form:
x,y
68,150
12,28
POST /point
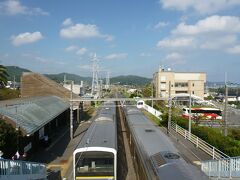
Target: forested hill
x,y
130,80
121,80
15,71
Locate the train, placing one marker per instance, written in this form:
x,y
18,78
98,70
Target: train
x,y
154,155
95,157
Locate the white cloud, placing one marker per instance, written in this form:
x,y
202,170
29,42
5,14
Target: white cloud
x,y
67,22
145,54
85,67
174,55
117,56
174,58
76,49
71,48
108,37
81,51
161,24
14,7
200,6
212,24
213,33
174,43
83,31
234,50
218,42
26,38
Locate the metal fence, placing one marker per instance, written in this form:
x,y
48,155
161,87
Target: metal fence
x,y
222,168
10,167
201,144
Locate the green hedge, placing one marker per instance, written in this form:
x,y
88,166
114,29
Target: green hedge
x,y
214,137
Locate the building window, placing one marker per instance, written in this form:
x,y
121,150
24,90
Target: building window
x,y
193,84
181,84
163,86
193,92
179,92
163,78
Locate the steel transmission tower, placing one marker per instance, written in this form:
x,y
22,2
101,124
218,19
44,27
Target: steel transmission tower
x,y
95,68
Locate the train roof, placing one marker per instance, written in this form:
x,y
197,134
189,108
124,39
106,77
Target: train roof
x,y
156,148
147,133
102,131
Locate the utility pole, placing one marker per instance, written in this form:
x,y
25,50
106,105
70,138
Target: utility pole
x,y
225,107
152,93
14,82
169,108
17,128
190,115
71,111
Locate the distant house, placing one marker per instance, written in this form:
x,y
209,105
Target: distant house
x,y
132,90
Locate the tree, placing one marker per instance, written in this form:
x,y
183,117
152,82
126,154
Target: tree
x,y
8,139
3,75
147,90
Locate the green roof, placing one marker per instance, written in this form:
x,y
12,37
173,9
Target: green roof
x,y
31,114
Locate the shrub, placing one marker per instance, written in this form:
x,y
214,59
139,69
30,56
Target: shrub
x,y
214,137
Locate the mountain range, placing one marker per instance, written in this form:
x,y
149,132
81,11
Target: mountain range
x,y
121,80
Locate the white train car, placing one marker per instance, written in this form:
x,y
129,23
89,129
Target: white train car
x,y
96,155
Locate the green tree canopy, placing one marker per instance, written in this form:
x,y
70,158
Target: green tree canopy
x,y
8,139
3,75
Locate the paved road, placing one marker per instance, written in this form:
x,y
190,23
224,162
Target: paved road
x,y
233,115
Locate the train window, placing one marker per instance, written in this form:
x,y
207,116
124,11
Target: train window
x,y
140,104
94,164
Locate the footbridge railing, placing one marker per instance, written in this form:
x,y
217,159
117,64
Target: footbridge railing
x,y
223,168
13,169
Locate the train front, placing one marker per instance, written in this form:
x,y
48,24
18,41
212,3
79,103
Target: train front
x,y
92,164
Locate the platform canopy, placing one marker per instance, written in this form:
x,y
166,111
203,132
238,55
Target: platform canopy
x,y
31,114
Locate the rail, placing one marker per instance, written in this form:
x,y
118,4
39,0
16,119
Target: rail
x,y
11,167
201,144
223,168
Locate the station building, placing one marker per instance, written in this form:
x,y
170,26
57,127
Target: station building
x,y
35,118
180,83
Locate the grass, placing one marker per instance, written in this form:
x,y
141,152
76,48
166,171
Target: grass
x,y
9,94
152,118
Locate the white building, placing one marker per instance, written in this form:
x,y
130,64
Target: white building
x,y
180,82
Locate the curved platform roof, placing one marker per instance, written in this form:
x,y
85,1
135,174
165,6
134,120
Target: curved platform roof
x,y
31,114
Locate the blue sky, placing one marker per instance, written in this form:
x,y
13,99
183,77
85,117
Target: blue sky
x,y
129,37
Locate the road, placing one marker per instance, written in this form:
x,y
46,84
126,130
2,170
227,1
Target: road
x,y
233,115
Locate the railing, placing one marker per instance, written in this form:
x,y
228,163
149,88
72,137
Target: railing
x,y
222,168
153,111
201,144
11,167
